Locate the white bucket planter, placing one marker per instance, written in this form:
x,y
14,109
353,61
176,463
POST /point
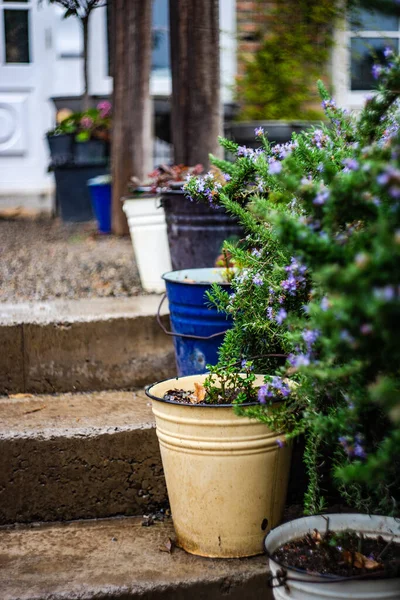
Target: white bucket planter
x,y
226,475
149,239
291,584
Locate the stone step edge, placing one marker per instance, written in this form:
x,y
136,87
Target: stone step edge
x,y
118,559
81,310
83,345
79,456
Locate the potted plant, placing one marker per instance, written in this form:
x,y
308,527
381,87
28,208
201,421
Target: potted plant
x,y
197,327
147,226
345,256
79,147
225,475
100,193
349,372
196,232
211,456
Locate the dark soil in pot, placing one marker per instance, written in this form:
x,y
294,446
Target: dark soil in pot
x,y
344,554
199,396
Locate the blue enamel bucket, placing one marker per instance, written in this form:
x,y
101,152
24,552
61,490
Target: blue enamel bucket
x,y
197,328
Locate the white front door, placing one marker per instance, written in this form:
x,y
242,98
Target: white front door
x,y
25,113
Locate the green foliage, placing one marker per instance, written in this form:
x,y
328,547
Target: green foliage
x,y
319,280
92,123
293,54
296,40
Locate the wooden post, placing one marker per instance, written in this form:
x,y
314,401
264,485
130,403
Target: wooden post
x,y
131,153
196,115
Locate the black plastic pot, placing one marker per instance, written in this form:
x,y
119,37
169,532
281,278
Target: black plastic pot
x,y
73,196
92,152
278,132
195,231
61,148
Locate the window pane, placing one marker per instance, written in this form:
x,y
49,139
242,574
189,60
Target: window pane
x,y
365,20
364,53
160,54
16,34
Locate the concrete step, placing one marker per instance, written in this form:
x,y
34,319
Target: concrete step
x,y
78,456
118,559
82,345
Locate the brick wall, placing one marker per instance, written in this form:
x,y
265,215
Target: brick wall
x,y
251,15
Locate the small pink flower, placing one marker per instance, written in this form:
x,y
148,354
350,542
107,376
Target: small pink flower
x,y
105,108
87,122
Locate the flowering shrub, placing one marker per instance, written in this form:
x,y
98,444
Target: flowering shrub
x,y
319,281
93,123
163,176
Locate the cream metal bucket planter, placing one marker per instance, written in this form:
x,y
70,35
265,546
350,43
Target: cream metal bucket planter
x,y
148,231
226,475
295,584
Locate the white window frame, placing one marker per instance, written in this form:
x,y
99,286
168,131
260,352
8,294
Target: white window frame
x,y
27,6
341,63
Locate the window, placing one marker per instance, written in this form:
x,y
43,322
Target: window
x,y
160,59
14,19
370,33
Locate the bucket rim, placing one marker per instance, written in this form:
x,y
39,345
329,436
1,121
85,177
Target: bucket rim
x,y
168,277
200,404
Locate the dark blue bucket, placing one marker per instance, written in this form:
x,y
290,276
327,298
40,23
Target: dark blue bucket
x,y
100,193
192,316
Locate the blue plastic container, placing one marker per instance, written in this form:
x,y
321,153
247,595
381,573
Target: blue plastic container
x,y
100,193
191,315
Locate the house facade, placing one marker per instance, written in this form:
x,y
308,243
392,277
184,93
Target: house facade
x,y
41,59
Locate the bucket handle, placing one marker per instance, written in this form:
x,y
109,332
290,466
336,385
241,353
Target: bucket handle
x,y
184,335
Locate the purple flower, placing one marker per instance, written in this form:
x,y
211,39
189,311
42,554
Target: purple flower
x,y
359,451
376,71
366,328
351,164
394,192
278,384
275,167
256,253
270,312
259,131
310,336
244,151
281,316
321,197
260,186
246,365
290,285
318,138
226,176
386,293
280,442
257,279
299,360
264,392
387,52
324,303
345,336
328,104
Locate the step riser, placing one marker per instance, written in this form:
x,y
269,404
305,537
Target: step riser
x,y
81,477
104,354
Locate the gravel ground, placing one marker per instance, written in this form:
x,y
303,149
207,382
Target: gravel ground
x,y
43,259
